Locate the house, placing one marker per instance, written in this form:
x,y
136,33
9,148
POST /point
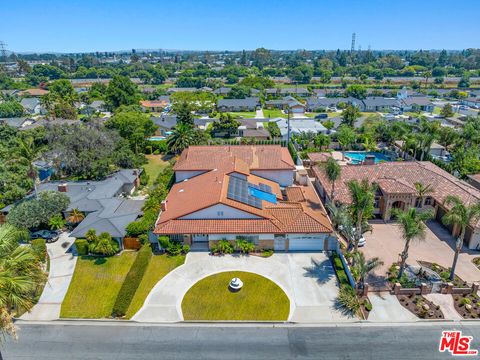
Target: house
x,y
287,103
154,105
253,128
303,92
32,106
33,92
165,123
471,101
396,189
474,180
175,90
94,107
298,126
377,103
313,104
247,104
417,103
233,199
222,91
18,122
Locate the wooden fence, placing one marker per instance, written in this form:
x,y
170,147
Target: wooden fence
x,y
130,243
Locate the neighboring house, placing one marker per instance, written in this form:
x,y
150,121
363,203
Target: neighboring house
x,y
32,106
222,91
417,103
317,103
45,122
252,128
303,92
396,189
288,102
33,92
175,90
154,105
233,200
298,126
247,104
436,150
165,123
471,101
18,122
376,103
94,107
474,180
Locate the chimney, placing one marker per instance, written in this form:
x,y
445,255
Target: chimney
x,y
62,187
163,205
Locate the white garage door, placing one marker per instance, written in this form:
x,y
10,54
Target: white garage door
x,y
305,243
298,110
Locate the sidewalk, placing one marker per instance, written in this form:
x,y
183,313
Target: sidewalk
x,y
62,266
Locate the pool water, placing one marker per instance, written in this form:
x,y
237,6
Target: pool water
x,y
156,138
357,157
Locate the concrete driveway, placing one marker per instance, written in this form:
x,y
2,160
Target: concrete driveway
x,y
307,279
386,242
386,307
62,266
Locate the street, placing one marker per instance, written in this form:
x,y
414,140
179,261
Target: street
x,y
117,340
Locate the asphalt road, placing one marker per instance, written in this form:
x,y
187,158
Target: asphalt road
x,y
123,341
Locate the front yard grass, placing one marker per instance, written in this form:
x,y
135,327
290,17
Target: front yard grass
x,y
95,285
273,113
260,299
155,164
159,266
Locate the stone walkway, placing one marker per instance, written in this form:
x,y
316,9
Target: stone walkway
x,y
62,266
306,278
446,305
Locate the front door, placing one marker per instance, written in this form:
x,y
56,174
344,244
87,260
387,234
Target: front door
x,y
199,238
279,243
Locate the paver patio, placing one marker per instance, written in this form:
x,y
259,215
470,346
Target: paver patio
x,y
311,286
386,242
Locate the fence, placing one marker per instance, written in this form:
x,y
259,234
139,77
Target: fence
x,y
130,243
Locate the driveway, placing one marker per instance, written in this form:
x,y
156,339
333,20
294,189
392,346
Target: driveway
x,y
259,114
62,266
386,307
307,279
386,242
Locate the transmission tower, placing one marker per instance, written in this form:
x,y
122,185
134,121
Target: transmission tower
x,y
353,43
3,51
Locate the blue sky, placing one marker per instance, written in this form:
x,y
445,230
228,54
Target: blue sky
x,y
107,25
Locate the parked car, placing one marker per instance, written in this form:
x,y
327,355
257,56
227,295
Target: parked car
x,y
321,116
350,235
49,235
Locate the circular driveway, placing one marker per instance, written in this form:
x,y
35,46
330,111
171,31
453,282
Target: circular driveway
x,y
307,279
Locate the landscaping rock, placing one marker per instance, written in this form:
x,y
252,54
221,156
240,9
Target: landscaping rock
x,y
425,307
468,307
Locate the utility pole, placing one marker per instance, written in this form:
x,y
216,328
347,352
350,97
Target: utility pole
x,y
352,49
288,127
3,51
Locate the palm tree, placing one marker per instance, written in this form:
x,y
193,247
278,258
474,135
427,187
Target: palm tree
x,y
423,190
333,171
461,215
362,267
183,135
362,205
20,274
75,216
413,228
27,153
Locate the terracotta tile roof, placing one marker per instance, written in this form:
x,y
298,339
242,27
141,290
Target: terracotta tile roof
x,y
34,92
153,103
397,177
257,157
319,156
294,193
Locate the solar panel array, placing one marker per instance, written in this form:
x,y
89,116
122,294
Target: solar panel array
x,y
261,187
238,191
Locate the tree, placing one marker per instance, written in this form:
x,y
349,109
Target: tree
x,y
362,205
120,91
413,227
362,267
56,222
461,215
21,274
274,130
10,109
322,141
350,114
423,190
182,137
32,213
356,91
27,153
63,90
75,216
447,136
447,111
333,171
346,137
104,245
184,113
226,124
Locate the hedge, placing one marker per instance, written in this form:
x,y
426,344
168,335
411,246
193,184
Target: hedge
x,y
340,270
39,247
82,246
132,281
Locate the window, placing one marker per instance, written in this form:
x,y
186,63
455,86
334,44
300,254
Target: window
x,y
219,213
428,201
252,238
418,203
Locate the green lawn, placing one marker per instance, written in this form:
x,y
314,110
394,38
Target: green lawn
x,y
156,163
243,114
259,299
159,266
95,285
273,113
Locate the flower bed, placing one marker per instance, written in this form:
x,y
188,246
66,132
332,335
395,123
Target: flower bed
x,y
366,306
476,261
468,306
421,307
444,274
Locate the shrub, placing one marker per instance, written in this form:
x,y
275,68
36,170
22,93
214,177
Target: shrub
x,y
368,305
267,252
244,246
174,248
132,281
185,249
348,300
466,301
340,270
39,247
91,236
144,177
82,246
445,275
222,247
104,245
143,239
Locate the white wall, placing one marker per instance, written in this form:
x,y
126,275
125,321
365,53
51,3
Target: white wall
x,y
235,236
212,212
474,241
181,175
282,177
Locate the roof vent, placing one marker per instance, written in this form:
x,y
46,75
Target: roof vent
x,y
181,190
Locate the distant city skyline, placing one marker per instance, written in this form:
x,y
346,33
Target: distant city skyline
x,y
90,26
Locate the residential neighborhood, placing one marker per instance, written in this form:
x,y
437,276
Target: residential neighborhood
x,y
196,190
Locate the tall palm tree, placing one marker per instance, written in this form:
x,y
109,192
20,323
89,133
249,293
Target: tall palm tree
x,y
333,172
363,267
75,216
362,205
28,152
423,190
461,215
20,274
413,227
183,135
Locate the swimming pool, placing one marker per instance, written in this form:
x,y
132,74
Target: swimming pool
x,y
156,138
357,157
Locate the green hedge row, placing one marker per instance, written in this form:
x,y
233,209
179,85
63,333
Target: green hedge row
x,y
340,270
132,281
82,246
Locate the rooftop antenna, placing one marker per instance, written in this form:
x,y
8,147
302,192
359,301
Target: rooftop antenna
x,y
352,49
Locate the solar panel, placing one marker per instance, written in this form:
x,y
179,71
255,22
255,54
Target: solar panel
x,y
238,191
261,187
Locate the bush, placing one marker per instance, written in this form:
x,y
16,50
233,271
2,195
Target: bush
x,y
132,281
348,300
244,246
82,246
144,178
104,245
368,305
466,301
340,270
222,247
39,247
